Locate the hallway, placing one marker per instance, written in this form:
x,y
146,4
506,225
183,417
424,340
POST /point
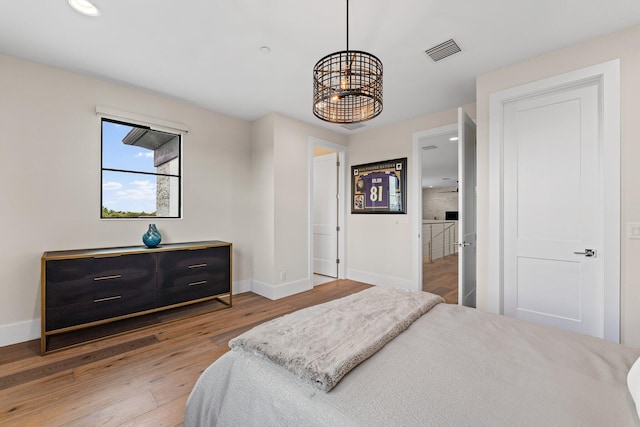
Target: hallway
x,y
440,277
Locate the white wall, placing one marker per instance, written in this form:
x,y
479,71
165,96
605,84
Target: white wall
x,y
380,247
280,145
50,170
623,45
262,190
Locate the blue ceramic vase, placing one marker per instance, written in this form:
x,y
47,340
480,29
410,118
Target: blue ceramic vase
x,y
152,237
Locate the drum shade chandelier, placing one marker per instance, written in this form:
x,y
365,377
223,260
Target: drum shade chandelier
x,y
347,86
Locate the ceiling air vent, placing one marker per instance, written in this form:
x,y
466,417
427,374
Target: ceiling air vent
x,y
352,126
443,50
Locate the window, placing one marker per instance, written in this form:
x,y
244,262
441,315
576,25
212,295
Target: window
x,y
141,175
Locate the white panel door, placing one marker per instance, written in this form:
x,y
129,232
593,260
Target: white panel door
x,y
553,210
467,210
325,215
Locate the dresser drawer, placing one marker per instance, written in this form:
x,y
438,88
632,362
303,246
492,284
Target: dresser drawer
x,y
66,270
99,309
191,291
80,280
181,278
208,258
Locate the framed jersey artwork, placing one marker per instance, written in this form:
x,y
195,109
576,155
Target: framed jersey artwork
x,y
379,187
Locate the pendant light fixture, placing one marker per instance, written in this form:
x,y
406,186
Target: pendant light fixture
x,y
347,86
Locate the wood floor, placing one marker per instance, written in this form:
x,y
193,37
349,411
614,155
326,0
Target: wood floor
x,y
138,379
440,277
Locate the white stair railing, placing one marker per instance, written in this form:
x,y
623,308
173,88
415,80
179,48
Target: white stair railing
x,y
439,239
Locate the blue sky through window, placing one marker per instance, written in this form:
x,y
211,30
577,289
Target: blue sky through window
x,y
127,192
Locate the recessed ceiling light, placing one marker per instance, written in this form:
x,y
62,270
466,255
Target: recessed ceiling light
x,y
84,7
453,138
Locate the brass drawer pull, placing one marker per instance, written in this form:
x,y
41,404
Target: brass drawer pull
x,y
202,282
108,298
115,276
197,265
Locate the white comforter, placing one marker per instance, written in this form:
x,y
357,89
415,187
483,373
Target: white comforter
x,y
454,366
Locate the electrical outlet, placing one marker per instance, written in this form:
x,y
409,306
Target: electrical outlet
x,y
283,276
633,230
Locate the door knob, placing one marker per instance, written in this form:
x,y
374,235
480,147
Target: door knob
x,y
587,252
462,245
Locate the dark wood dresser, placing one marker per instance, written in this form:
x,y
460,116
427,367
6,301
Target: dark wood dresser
x,y
95,293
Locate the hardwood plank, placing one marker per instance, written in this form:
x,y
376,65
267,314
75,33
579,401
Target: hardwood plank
x,y
18,352
101,388
170,414
179,382
32,374
117,413
440,277
225,319
13,399
65,406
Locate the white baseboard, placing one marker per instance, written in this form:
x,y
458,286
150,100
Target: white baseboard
x,y
19,332
380,280
274,292
241,286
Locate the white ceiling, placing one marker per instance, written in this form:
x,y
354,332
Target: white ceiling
x,y
440,164
207,52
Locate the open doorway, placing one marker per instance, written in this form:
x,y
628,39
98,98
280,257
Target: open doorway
x,y
446,232
326,209
439,216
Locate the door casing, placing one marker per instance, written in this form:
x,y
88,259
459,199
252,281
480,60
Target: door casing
x,y
325,214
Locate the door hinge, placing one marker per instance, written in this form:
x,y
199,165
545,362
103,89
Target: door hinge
x,y
337,260
338,163
338,228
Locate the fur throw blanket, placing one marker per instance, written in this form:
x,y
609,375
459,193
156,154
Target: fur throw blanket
x,y
321,344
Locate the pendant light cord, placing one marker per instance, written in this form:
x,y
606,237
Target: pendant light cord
x,y
347,25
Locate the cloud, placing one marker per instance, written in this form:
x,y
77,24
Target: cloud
x,y
130,196
145,154
138,190
111,185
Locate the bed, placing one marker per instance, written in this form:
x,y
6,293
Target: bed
x,y
451,366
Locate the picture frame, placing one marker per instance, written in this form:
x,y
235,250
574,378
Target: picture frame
x,y
380,187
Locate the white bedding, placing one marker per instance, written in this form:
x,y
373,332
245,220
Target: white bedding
x,y
454,366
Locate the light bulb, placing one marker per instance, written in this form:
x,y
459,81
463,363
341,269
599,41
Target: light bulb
x,y
84,7
364,111
344,83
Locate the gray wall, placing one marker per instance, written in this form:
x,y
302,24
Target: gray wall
x,y
436,201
